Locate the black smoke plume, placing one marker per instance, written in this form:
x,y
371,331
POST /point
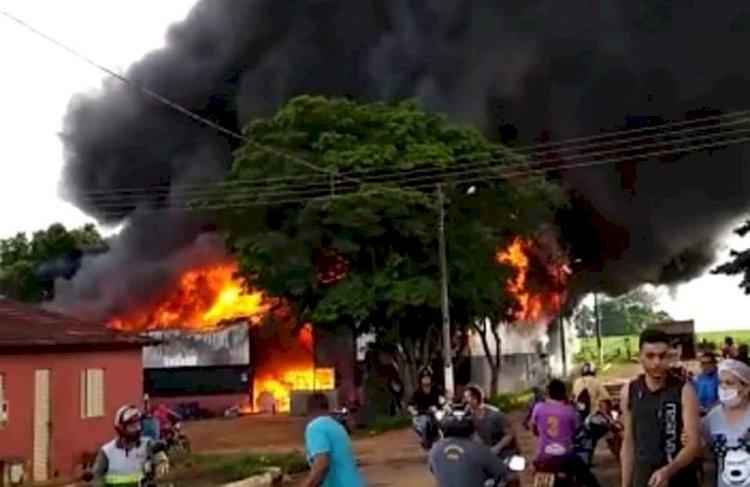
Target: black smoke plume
x,y
520,70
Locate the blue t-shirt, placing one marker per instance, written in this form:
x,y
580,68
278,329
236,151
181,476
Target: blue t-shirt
x,y
326,435
707,389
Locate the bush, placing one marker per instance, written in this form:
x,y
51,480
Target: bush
x,y
511,401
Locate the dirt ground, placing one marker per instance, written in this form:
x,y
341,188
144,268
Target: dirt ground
x,y
390,459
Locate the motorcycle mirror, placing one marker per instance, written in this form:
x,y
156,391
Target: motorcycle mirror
x,y
517,463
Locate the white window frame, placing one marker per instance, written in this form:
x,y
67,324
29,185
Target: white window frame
x,y
3,398
92,393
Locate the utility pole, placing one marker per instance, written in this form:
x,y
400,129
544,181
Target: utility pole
x,y
561,324
599,348
443,255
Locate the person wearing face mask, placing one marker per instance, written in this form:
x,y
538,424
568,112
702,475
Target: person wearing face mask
x,y
726,429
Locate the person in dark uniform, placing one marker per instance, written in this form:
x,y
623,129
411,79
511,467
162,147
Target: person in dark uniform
x,y
661,419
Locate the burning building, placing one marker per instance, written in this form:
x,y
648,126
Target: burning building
x,y
222,344
546,71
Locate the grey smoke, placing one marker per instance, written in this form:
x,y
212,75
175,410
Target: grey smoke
x,y
515,69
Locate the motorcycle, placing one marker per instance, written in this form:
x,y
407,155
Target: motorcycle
x,y
516,464
176,441
550,475
427,426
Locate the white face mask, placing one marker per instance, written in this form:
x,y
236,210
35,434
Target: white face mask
x,y
729,396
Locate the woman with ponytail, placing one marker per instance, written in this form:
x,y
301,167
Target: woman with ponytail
x,y
726,428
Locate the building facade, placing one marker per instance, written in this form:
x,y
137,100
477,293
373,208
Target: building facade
x,y
61,382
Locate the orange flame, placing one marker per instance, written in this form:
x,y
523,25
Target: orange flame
x,y
273,391
532,307
202,299
205,298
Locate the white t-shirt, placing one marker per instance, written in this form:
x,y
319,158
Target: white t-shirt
x,y
730,445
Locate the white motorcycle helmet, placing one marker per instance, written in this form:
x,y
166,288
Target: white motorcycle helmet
x,y
128,422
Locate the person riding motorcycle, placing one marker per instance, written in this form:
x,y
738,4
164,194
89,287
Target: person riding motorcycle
x,y
589,396
555,423
427,398
130,459
458,461
491,426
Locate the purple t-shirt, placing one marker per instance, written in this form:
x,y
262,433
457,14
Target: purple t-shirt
x,y
556,423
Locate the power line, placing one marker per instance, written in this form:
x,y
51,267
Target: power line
x,y
254,202
547,146
367,175
436,175
158,97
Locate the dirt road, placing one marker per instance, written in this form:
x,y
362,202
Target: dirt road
x,y
389,459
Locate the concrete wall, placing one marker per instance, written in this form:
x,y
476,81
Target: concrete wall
x,y
520,346
71,436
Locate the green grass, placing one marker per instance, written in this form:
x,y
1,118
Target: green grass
x,y
618,349
208,469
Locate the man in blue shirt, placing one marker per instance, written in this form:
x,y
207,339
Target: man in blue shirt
x,y
328,449
707,382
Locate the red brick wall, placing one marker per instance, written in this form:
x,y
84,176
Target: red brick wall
x,y
70,435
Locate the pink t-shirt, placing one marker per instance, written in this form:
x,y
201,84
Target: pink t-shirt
x,y
556,423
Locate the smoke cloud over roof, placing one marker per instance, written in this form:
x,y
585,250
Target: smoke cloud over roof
x,y
516,69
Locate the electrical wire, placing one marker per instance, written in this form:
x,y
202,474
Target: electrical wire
x,y
315,189
555,147
158,97
249,203
378,175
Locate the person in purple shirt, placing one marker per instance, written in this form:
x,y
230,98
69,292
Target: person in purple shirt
x,y
555,423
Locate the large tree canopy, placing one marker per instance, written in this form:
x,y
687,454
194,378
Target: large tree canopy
x,y
739,264
21,256
359,246
626,314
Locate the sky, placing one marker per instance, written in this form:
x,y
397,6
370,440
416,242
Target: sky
x,y
39,78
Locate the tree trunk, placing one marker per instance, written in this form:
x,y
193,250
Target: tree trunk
x,y
494,360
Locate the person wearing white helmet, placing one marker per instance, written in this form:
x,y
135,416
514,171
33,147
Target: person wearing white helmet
x,y
130,458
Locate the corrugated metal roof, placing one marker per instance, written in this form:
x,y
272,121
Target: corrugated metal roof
x,y
25,325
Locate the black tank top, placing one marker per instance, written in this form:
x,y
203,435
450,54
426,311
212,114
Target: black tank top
x,y
657,427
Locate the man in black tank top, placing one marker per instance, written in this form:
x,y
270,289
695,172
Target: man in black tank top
x,y
658,408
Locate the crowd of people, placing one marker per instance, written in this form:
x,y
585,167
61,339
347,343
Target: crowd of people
x,y
672,421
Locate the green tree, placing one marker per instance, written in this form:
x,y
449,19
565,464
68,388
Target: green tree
x,y
358,247
739,262
20,257
629,313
